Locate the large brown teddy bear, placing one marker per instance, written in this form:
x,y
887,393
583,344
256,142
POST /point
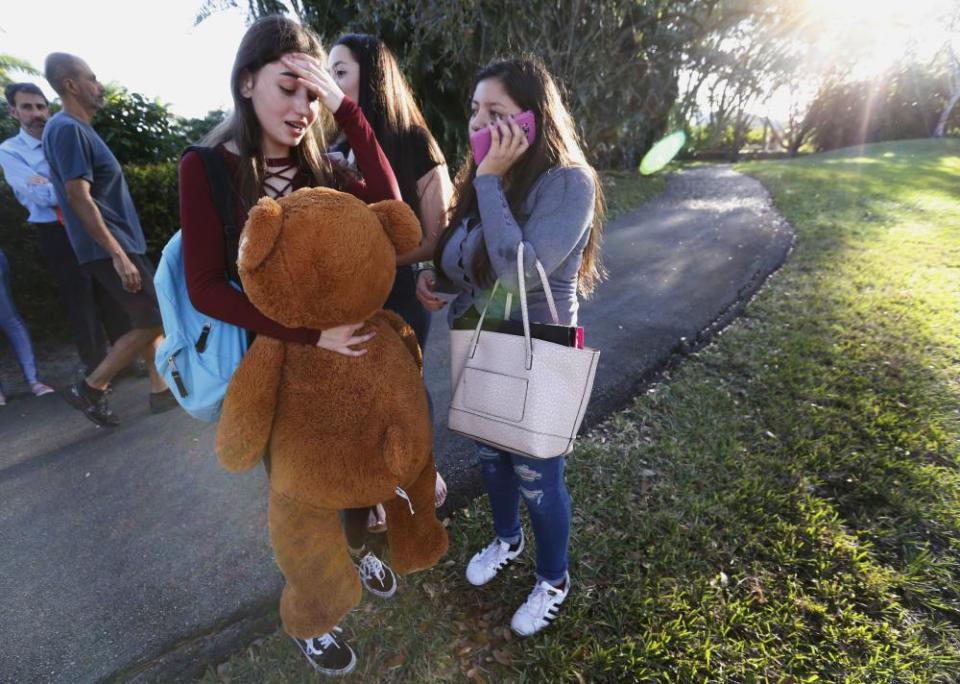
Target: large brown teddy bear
x,y
341,432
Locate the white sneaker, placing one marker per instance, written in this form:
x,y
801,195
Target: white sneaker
x,y
485,564
376,576
540,608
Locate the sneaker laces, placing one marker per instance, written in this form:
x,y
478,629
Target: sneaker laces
x,y
326,641
496,551
371,566
540,598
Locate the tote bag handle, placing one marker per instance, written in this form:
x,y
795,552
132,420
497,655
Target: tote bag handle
x,y
521,280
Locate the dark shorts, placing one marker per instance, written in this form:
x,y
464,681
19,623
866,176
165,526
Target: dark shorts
x,y
141,307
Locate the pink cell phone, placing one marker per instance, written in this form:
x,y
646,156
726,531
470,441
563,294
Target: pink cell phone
x,y
480,141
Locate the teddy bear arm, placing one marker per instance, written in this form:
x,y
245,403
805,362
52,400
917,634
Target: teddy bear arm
x,y
248,408
404,330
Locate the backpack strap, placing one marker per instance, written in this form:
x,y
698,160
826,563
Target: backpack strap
x,y
221,192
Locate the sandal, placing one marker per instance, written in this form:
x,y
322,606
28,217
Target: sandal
x,y
377,520
440,491
39,389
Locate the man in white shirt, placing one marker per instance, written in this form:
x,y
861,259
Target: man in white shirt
x,y
27,172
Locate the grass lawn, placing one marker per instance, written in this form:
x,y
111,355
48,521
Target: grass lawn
x,y
625,190
782,507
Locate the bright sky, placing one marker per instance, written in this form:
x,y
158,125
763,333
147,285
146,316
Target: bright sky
x,y
148,46
873,35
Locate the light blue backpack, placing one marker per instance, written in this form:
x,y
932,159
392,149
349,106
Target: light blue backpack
x,y
200,353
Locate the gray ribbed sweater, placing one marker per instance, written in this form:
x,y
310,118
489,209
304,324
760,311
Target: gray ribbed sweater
x,y
554,226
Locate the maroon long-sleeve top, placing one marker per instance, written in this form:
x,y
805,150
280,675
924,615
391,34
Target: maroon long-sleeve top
x,y
204,259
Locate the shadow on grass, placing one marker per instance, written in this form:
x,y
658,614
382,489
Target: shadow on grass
x,y
788,504
783,507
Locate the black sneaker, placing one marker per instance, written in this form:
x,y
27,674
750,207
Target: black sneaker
x,y
328,654
376,576
162,401
97,410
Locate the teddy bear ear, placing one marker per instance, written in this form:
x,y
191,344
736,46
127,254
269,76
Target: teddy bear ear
x,y
399,223
260,233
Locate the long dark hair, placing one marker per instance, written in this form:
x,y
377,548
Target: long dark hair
x,y
529,84
389,105
266,41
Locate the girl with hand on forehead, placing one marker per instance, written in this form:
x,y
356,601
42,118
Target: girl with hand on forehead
x,y
545,195
272,145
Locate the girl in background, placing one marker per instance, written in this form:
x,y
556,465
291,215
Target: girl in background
x,y
367,72
16,331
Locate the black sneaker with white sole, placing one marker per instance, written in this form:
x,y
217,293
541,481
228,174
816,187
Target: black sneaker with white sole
x,y
328,653
96,409
376,576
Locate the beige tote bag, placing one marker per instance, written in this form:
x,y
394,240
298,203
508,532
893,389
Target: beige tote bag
x,y
517,393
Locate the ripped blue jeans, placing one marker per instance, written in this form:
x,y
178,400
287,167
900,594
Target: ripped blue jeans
x,y
540,482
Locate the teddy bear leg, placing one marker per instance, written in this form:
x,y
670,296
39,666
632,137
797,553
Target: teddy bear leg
x,y
322,581
419,540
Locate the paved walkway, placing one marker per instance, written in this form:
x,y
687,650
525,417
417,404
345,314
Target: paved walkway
x,y
129,554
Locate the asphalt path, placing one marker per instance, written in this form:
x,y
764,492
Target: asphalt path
x,y
129,554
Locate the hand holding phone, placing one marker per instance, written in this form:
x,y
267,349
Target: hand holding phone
x,y
481,141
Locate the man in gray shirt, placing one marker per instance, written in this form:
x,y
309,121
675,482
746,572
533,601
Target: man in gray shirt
x,y
105,232
28,174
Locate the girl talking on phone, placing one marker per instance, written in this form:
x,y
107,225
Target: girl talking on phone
x,y
532,185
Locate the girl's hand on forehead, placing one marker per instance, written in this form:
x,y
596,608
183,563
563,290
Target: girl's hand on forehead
x,y
315,77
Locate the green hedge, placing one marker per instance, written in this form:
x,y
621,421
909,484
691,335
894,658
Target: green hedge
x,y
154,190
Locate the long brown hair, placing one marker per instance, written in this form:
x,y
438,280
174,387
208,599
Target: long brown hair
x,y
529,84
266,41
390,107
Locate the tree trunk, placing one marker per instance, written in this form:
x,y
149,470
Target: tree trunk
x,y
954,78
941,128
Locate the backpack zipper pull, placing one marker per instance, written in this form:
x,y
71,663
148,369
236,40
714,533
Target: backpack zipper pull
x,y
178,381
403,495
202,340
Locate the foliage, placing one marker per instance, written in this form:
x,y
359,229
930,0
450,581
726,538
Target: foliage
x,y
8,125
194,129
904,103
731,69
155,195
34,291
617,60
10,64
138,130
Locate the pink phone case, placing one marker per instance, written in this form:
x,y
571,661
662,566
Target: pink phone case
x,y
480,141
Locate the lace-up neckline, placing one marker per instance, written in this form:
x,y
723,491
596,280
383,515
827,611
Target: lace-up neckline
x,y
278,177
